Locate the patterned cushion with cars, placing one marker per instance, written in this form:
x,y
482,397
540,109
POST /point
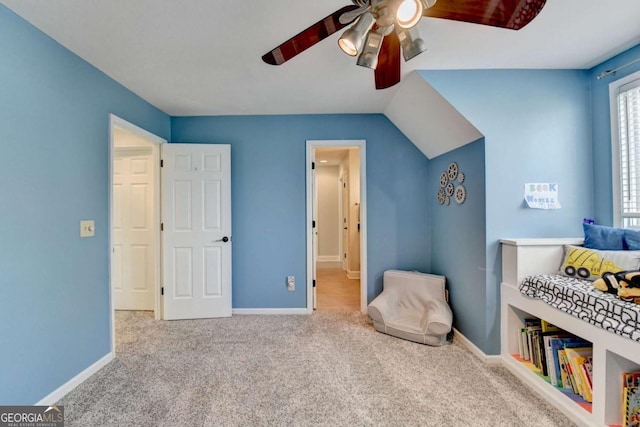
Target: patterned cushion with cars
x,y
589,264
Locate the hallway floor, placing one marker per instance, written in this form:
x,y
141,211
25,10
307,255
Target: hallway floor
x,y
335,291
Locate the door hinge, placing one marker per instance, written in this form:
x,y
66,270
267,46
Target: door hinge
x,y
162,226
161,163
313,223
313,166
314,280
162,290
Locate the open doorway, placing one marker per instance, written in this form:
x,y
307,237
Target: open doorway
x,y
336,232
134,219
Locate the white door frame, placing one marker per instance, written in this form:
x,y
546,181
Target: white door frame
x,y
117,122
361,144
340,219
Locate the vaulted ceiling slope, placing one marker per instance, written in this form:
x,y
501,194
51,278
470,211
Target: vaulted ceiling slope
x,y
427,119
202,57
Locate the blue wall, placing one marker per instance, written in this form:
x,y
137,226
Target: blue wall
x,y
537,128
603,194
269,201
458,235
54,289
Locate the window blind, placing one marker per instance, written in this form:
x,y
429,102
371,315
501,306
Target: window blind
x,y
629,134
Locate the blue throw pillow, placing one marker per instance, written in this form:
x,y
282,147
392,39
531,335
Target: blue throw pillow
x,y
604,238
632,239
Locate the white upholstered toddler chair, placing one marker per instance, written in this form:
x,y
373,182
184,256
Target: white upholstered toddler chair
x,y
412,306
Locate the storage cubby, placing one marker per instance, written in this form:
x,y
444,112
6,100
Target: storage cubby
x,y
576,408
577,399
616,365
530,364
612,354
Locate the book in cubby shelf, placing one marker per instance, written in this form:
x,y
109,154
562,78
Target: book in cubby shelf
x,y
631,399
559,357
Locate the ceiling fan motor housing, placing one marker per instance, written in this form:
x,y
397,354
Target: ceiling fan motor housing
x,y
384,16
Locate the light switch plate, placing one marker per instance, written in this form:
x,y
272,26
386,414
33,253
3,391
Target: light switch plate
x,y
87,228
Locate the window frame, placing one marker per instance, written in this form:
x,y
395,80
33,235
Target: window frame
x,y
614,87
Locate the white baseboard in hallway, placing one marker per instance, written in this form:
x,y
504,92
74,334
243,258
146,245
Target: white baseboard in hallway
x,y
328,258
353,274
242,311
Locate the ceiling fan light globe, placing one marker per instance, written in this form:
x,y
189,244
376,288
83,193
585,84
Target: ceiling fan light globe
x,y
369,56
350,44
411,43
413,49
368,59
409,13
351,40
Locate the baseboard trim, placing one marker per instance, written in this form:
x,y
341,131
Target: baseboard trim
x,y
353,274
489,360
328,258
243,311
74,382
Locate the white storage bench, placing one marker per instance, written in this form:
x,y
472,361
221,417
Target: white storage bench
x,y
612,354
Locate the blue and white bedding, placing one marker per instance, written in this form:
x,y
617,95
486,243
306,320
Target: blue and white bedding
x,y
580,299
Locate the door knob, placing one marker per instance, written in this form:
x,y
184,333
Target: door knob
x,y
224,239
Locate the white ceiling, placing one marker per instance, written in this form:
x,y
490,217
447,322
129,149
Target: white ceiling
x,y
330,156
203,57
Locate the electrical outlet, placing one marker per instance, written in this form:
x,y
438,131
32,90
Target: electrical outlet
x,y
291,283
87,228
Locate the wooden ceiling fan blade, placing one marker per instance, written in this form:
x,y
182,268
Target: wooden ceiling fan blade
x,y
511,14
307,38
388,69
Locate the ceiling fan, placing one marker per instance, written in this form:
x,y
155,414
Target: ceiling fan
x,y
383,28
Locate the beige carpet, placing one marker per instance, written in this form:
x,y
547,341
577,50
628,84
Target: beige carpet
x,y
329,369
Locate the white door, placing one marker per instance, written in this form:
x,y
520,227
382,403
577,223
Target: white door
x,y
196,236
133,259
